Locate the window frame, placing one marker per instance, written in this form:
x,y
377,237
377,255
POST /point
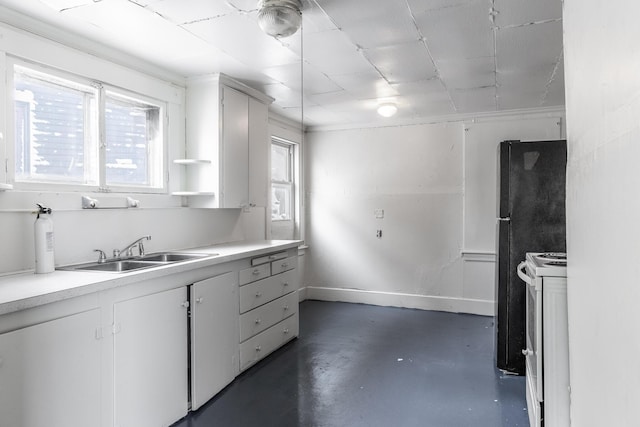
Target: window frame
x,y
290,182
158,158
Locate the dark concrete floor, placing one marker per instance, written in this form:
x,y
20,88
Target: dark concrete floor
x,y
358,365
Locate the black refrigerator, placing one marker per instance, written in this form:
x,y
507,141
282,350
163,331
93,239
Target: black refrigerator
x,y
531,218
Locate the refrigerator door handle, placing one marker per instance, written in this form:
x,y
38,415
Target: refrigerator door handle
x,y
505,219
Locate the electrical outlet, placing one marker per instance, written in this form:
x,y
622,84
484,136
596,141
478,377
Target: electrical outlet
x,y
379,234
378,213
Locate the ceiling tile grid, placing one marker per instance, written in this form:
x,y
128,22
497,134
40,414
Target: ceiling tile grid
x,y
432,57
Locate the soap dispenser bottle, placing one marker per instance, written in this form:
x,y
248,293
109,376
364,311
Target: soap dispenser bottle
x,y
43,232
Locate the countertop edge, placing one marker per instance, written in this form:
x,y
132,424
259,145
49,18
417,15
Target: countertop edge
x,y
28,290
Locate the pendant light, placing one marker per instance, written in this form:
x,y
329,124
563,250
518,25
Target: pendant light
x,y
279,18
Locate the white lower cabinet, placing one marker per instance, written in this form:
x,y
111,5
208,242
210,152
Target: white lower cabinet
x,y
150,359
50,373
214,336
259,346
268,306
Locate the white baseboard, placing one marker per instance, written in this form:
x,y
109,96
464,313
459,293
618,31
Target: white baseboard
x,y
390,299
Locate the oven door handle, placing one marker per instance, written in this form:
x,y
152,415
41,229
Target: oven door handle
x,y
523,275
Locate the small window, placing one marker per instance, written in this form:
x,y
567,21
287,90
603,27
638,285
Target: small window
x,y
133,142
282,185
55,129
60,123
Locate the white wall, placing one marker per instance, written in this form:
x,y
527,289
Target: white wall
x,y
602,63
437,186
481,140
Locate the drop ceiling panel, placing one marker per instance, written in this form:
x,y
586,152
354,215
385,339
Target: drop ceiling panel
x,y
314,20
427,105
521,12
393,26
403,63
251,47
340,97
428,97
473,100
287,98
520,99
317,115
240,5
529,47
331,52
533,80
555,92
463,73
458,32
365,85
419,6
314,81
349,13
141,32
198,10
66,4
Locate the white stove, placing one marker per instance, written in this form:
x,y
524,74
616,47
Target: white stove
x,y
547,264
547,351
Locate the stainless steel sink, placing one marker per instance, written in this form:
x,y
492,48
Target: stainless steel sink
x,y
117,266
133,264
174,256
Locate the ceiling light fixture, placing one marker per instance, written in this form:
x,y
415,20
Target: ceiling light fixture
x,y
279,18
387,109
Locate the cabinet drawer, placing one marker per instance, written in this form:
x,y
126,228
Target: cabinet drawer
x,y
269,258
261,292
252,274
267,341
256,321
284,265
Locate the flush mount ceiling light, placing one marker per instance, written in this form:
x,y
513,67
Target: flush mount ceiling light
x,y
279,18
387,109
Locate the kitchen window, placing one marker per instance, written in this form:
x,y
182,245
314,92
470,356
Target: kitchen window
x,y
282,188
73,132
285,197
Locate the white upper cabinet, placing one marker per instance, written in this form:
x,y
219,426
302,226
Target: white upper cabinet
x,y
226,144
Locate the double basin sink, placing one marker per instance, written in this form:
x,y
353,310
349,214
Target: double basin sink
x,y
137,263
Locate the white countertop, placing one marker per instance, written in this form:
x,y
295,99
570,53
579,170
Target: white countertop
x,y
25,290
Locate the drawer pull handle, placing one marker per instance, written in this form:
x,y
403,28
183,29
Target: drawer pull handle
x,y
285,265
258,348
185,304
286,331
258,294
272,257
256,272
285,284
199,300
258,321
286,307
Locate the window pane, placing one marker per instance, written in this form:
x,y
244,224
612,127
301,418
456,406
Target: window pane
x,y
132,131
280,163
53,129
281,202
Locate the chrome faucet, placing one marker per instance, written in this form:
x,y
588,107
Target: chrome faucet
x,y
129,248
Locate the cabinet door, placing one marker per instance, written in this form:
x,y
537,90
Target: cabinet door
x,y
50,373
150,359
234,165
259,147
214,336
